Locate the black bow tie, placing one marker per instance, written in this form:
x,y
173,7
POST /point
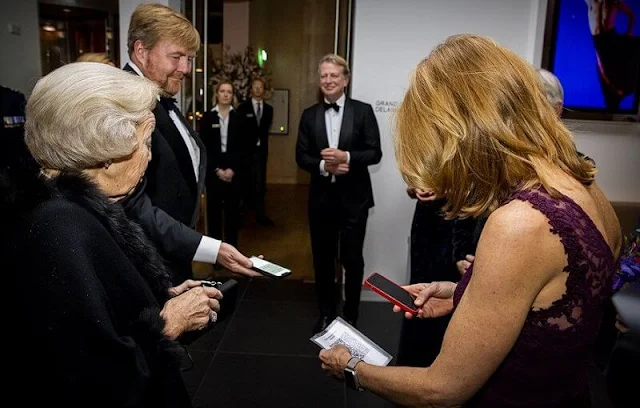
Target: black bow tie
x,y
334,105
168,103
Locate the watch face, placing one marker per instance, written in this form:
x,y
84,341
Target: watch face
x,y
349,378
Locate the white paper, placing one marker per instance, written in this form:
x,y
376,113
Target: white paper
x,y
340,332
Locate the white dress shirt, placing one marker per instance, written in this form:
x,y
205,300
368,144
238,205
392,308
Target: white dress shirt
x,y
208,248
333,124
224,127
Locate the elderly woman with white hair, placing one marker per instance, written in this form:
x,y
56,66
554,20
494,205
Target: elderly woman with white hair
x,y
552,89
93,315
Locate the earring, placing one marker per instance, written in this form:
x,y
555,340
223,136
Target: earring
x,y
107,164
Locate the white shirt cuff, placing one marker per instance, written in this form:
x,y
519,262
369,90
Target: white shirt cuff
x,y
323,172
348,157
207,250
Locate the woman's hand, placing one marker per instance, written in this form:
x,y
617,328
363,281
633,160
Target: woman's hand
x,y
433,299
464,264
335,360
183,287
422,195
192,309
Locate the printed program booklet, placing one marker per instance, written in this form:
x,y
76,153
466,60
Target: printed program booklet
x,y
359,345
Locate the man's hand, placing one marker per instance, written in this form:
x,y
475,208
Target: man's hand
x,y
333,156
225,175
233,260
336,169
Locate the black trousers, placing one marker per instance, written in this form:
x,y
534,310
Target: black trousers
x,y
337,237
223,208
257,181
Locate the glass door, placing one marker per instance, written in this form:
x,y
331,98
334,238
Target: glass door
x,y
206,16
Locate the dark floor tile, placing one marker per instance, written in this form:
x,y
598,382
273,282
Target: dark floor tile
x,y
211,339
290,290
193,377
245,380
268,327
365,399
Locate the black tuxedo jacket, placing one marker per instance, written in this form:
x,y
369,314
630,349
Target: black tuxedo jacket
x,y
251,128
171,181
237,147
360,136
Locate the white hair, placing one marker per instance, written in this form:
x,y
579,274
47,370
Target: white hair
x,y
551,86
85,113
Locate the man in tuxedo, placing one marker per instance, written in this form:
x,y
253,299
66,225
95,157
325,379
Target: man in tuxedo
x,y
162,44
337,141
258,116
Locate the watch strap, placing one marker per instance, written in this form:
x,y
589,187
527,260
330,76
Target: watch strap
x,y
350,370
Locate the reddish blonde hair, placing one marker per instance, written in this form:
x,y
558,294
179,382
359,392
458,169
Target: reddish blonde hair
x,y
475,126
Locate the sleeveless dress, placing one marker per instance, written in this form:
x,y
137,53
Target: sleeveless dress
x,y
548,364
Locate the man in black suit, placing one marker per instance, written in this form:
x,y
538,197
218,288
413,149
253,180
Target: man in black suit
x,y
337,141
162,44
258,116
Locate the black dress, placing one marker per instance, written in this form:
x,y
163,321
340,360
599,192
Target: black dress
x,y
431,260
84,288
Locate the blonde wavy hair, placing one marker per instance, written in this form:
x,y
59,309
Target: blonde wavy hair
x,y
335,59
151,23
475,126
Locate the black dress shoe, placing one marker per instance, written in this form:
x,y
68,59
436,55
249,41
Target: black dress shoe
x,y
322,324
266,221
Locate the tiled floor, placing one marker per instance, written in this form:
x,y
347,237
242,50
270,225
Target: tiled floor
x,y
261,355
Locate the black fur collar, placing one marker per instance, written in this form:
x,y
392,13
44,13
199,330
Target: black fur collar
x,y
22,190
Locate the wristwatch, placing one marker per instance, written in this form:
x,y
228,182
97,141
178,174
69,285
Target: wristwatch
x,y
350,375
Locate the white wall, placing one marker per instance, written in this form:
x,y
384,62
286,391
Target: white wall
x,y
390,38
20,67
235,26
615,147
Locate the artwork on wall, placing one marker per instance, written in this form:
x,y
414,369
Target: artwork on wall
x,y
593,47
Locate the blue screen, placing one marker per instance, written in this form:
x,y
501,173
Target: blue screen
x,y
591,66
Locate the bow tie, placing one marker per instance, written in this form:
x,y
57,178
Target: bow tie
x,y
168,103
334,105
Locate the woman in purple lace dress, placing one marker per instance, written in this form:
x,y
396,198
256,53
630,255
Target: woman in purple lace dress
x,y
475,127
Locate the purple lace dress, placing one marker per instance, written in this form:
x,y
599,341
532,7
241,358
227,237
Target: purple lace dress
x,y
548,364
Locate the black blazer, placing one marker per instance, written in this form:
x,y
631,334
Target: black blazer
x,y
171,182
236,147
359,135
252,130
